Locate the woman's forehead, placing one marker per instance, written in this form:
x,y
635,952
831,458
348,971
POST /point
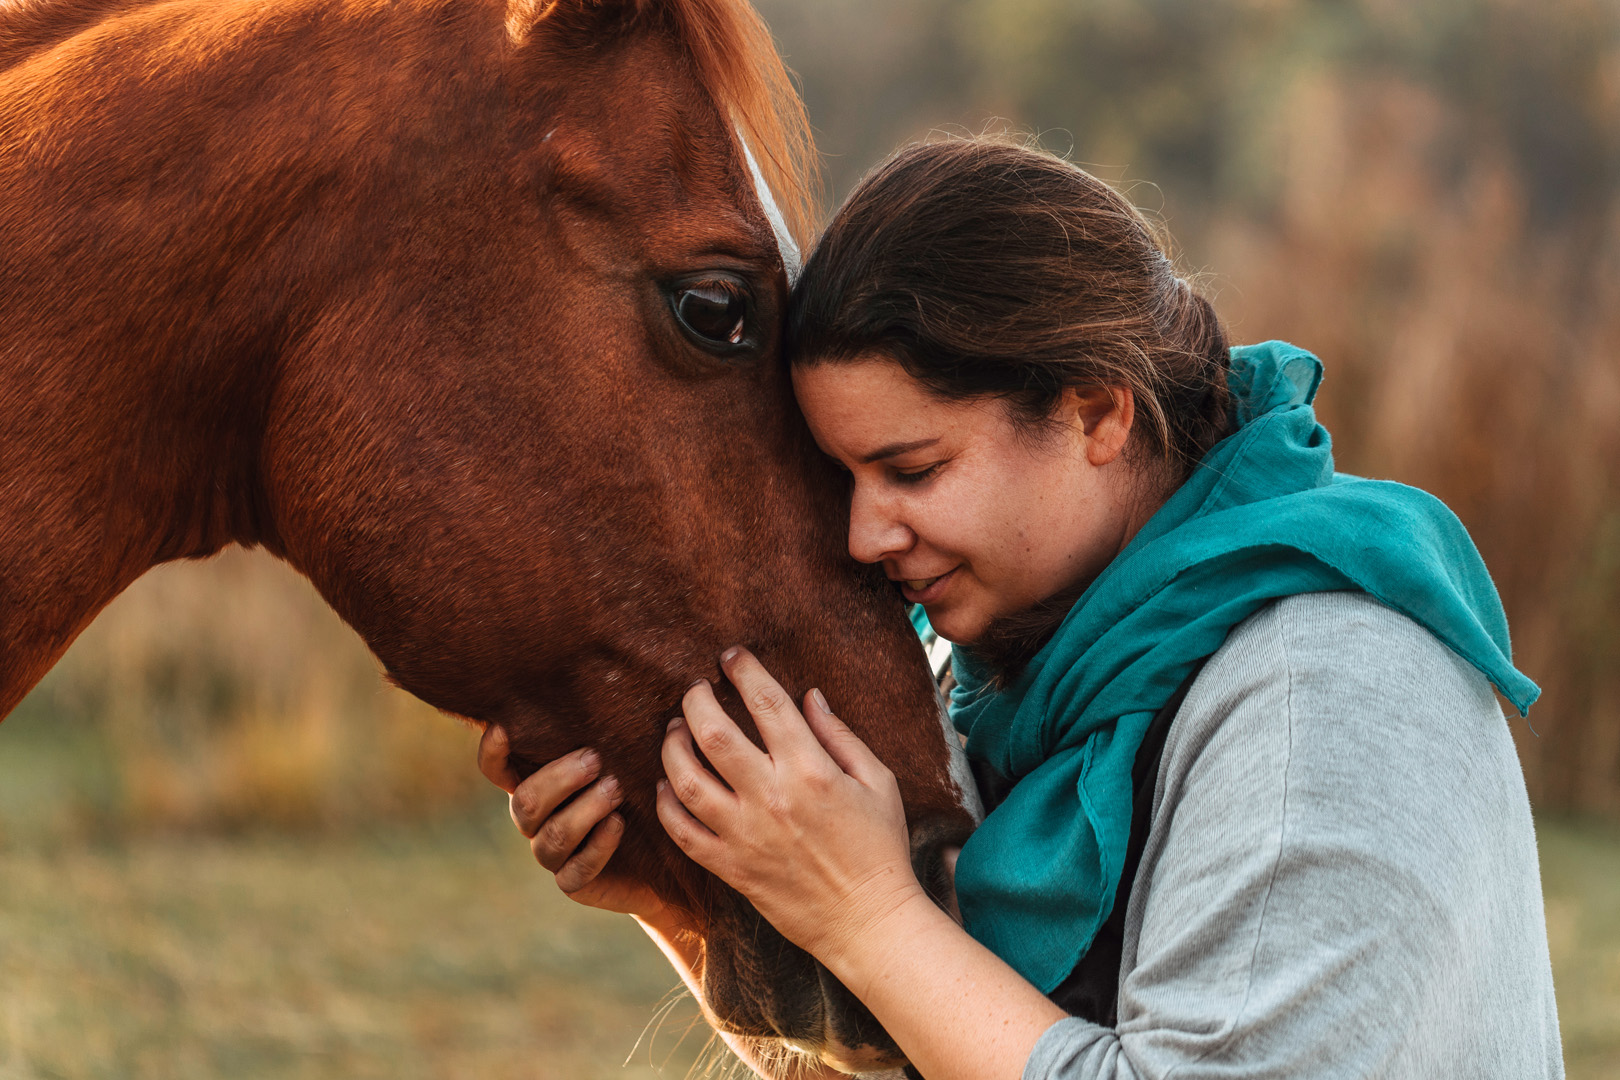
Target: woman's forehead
x,y
859,407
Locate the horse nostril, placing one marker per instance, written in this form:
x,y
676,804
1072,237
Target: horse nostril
x,y
934,860
948,855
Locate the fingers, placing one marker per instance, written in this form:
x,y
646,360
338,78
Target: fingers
x,y
592,856
549,786
693,786
555,835
779,722
689,834
739,762
841,744
493,748
560,835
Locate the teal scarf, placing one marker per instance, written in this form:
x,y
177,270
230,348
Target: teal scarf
x,y
1262,517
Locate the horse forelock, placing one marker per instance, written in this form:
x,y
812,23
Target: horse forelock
x,y
735,61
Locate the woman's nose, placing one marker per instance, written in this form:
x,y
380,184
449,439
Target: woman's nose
x,y
875,531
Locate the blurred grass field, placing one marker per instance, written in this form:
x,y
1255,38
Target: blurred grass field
x,y
442,952
227,849
430,952
1580,875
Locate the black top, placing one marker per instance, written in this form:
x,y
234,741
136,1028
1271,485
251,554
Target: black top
x,y
1091,991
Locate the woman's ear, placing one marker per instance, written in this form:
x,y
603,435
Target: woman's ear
x,y
1102,416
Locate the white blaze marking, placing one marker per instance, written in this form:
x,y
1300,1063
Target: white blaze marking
x,y
939,654
773,214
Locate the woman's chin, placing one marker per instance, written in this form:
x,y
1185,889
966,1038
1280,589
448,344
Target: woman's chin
x,y
955,625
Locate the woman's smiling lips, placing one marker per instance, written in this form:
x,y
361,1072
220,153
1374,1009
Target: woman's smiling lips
x,y
925,590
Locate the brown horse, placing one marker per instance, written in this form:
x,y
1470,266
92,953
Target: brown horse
x,y
469,311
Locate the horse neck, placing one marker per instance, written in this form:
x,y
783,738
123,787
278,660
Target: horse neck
x,y
150,282
116,458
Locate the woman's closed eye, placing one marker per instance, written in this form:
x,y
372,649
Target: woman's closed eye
x,y
916,476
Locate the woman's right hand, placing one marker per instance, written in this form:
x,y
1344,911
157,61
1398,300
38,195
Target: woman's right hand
x,y
576,840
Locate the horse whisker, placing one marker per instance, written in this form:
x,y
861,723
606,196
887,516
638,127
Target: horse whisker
x,y
655,1023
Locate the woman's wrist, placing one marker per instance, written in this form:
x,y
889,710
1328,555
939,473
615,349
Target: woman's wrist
x,y
957,1010
860,953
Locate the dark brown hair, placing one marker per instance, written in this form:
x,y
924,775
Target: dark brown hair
x,y
990,268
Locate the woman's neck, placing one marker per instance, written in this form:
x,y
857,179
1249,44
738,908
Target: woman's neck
x,y
1010,642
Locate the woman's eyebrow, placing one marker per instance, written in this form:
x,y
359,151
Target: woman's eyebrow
x,y
896,449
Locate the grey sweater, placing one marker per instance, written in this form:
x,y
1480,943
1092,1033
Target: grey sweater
x,y
1341,878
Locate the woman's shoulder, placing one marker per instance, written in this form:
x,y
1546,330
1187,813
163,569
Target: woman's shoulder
x,y
1336,696
1332,706
1340,833
1344,651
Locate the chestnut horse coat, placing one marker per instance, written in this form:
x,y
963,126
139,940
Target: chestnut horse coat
x,y
470,312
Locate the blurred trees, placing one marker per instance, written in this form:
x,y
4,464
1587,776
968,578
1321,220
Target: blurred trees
x,y
1425,194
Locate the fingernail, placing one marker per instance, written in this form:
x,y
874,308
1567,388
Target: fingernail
x,y
699,682
590,759
610,787
821,701
662,784
730,654
675,723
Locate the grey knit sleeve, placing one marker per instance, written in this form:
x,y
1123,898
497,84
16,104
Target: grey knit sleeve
x,y
1341,878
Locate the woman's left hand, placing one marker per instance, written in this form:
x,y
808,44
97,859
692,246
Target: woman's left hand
x,y
811,829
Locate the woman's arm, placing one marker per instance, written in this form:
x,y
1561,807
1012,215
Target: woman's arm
x,y
1340,881
954,1007
812,831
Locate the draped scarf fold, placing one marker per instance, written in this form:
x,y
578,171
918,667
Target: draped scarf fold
x,y
1263,516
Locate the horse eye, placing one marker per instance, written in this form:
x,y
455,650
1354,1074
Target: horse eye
x,y
713,312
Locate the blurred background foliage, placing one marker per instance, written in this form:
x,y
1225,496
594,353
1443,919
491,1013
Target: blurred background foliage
x,y
220,697
1425,194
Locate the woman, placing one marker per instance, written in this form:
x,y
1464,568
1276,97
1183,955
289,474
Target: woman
x,y
1324,864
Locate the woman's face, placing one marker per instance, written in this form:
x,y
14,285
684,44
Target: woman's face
x,y
974,517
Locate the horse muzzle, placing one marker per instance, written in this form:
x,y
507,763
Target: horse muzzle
x,y
759,985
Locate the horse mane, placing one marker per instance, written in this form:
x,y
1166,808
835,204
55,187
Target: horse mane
x,y
739,66
736,63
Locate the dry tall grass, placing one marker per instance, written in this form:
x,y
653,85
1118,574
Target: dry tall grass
x,y
1468,354
227,696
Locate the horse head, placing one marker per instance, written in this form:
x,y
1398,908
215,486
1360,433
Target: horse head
x,y
471,312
